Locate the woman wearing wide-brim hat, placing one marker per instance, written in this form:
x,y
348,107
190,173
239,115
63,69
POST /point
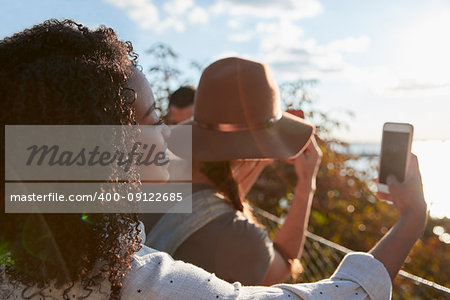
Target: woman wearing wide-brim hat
x,y
238,128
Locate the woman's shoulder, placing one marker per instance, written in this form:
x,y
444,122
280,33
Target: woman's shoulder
x,y
232,247
244,250
239,230
233,225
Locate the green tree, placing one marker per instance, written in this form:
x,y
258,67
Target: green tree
x,y
165,75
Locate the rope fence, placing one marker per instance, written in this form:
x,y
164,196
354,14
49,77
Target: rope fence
x,y
321,257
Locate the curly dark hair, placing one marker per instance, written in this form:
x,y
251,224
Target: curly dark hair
x,y
62,73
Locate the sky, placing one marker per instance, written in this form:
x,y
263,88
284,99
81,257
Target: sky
x,y
382,60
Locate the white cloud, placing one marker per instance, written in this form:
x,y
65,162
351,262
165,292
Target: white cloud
x,y
413,85
226,54
143,12
350,44
281,34
240,37
283,46
178,7
289,9
198,15
234,23
419,88
146,15
173,23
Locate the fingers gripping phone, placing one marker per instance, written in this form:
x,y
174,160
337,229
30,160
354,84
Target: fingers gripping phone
x,y
395,149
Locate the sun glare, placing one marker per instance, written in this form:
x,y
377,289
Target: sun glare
x,y
423,50
434,163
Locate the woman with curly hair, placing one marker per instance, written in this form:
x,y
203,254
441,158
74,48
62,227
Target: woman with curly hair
x,y
62,73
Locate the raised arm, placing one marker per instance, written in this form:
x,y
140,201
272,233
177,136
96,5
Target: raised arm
x,y
408,198
290,239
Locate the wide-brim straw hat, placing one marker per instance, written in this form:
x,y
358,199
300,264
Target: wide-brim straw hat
x,y
237,115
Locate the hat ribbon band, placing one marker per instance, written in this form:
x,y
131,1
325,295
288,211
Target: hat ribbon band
x,y
233,127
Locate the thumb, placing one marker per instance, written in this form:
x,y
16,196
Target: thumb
x,y
392,182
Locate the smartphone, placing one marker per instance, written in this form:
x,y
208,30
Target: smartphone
x,y
395,150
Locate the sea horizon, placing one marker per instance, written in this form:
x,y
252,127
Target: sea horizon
x,y
434,159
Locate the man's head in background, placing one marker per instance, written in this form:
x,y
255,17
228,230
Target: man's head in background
x,y
181,105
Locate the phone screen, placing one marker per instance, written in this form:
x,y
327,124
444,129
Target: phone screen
x,y
394,150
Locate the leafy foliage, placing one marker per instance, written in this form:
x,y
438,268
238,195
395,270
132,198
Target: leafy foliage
x,y
165,75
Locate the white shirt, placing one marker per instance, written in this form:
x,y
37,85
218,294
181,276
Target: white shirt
x,y
155,275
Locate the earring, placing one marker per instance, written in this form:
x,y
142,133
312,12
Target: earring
x,y
236,170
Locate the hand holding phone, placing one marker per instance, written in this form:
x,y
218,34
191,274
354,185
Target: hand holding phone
x,y
395,153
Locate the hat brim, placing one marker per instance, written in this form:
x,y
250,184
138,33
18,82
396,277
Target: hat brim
x,y
282,139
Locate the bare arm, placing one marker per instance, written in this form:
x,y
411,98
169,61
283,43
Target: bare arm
x,y
408,198
290,239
